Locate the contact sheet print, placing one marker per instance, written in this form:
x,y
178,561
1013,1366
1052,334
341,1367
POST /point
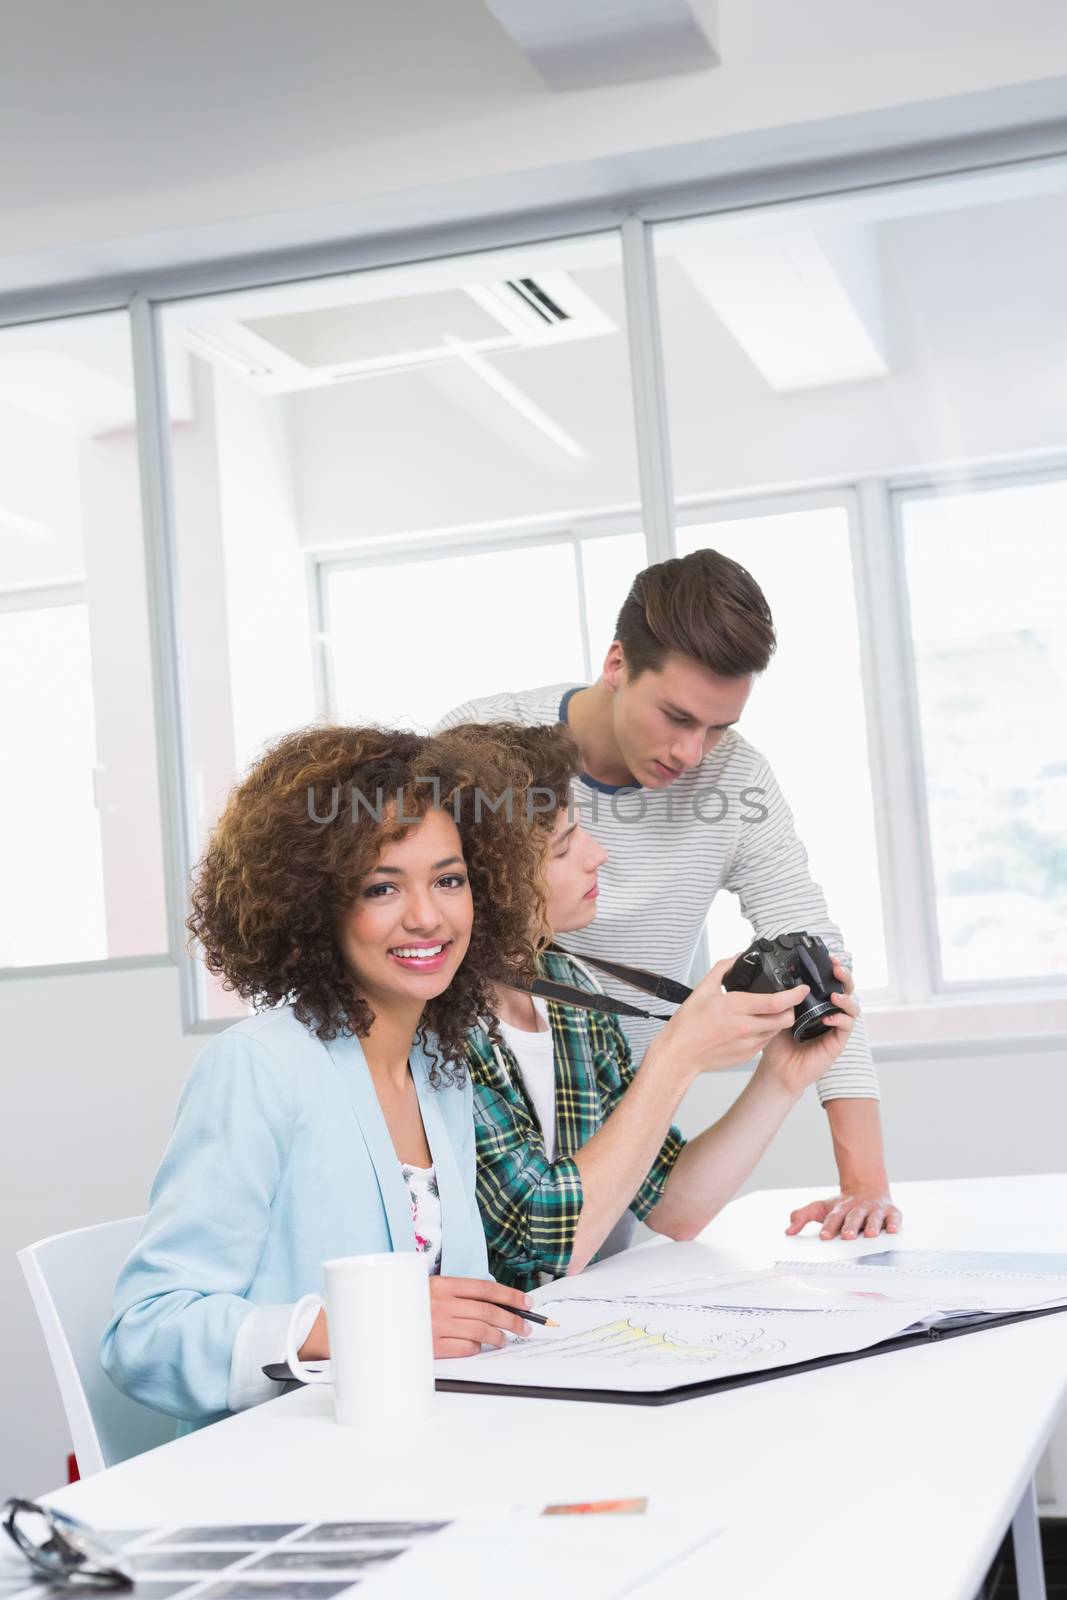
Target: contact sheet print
x,y
605,1547
261,1561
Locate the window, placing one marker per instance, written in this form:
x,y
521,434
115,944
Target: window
x,y
343,448
398,488
410,639
987,585
48,815
807,715
80,848
900,350
413,639
609,566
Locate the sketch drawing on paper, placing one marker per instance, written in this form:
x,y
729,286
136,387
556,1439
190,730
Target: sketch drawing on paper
x,y
631,1342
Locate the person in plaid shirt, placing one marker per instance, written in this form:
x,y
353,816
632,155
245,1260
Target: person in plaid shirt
x,y
569,1137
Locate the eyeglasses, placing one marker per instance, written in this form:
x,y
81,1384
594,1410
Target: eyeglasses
x,y
62,1549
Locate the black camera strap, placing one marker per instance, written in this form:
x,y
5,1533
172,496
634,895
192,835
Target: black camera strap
x,y
652,983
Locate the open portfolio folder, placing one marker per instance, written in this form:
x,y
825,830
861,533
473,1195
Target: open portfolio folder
x,y
661,1325
671,1329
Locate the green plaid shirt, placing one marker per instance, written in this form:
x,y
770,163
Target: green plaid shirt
x,y
530,1206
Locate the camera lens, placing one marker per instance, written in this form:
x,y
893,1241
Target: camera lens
x,y
808,1020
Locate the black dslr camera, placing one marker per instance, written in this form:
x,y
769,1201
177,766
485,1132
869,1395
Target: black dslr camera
x,y
770,965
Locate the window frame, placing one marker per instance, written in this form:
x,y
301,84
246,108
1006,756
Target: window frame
x,y
42,596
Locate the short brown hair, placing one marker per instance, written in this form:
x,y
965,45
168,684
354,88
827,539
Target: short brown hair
x,y
704,606
291,850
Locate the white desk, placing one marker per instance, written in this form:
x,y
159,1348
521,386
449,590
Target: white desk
x,y
895,1476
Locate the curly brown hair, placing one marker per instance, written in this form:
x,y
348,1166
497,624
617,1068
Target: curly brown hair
x,y
546,754
299,835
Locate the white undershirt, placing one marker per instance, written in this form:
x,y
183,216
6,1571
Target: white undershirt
x,y
536,1061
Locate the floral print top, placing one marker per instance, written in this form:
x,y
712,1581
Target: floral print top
x,y
425,1212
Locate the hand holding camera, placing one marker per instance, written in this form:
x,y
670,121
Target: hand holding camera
x,y
714,1029
771,965
786,999
823,1020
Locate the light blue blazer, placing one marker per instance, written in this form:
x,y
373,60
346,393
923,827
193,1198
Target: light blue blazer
x,y
280,1159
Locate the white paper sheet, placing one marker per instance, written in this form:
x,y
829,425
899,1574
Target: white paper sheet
x,y
951,1293
815,1285
523,1556
649,1344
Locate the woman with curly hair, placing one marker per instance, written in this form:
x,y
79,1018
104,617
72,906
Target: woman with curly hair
x,y
573,1144
362,896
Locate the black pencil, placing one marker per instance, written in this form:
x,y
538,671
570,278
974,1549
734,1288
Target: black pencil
x,y
529,1316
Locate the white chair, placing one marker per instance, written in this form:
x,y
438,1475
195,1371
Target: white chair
x,y
71,1278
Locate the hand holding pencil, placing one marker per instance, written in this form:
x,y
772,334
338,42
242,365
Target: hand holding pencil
x,y
468,1313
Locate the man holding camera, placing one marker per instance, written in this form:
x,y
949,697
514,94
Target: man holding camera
x,y
684,807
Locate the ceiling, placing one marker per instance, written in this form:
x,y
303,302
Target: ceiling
x,y
122,121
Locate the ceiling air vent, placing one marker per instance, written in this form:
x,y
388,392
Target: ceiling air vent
x,y
533,295
367,338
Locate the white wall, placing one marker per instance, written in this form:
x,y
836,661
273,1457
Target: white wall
x,y
266,587
126,775
38,482
245,623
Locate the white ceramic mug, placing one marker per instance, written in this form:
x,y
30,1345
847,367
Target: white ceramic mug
x,y
381,1338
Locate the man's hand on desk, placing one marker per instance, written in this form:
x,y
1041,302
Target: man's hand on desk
x,y
864,1204
848,1214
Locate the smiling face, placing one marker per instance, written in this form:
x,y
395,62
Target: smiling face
x,y
407,931
572,860
665,722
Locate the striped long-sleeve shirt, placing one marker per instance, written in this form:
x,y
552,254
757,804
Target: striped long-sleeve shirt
x,y
722,825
